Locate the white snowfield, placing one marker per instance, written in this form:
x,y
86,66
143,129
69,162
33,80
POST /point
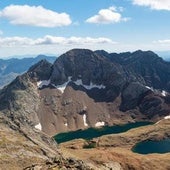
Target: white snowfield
x,y
149,88
98,124
42,83
89,87
84,119
62,87
38,126
167,117
164,93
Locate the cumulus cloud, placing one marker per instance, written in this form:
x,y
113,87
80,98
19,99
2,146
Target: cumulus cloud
x,y
154,4
52,40
107,16
167,41
34,16
15,41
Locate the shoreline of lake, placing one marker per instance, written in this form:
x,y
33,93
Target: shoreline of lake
x,y
91,133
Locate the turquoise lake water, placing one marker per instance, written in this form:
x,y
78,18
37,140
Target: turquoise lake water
x,y
146,147
96,132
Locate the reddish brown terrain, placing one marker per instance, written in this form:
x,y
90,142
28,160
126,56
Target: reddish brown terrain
x,y
85,89
114,151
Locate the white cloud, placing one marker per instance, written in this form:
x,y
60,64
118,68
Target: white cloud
x,y
15,41
34,16
107,16
52,40
154,4
72,40
167,41
10,46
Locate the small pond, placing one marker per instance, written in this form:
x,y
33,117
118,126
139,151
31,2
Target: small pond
x,y
96,132
146,147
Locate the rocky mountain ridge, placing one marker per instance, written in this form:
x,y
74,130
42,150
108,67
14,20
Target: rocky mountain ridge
x,y
25,148
86,89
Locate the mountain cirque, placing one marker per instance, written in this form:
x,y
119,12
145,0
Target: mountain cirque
x,y
82,89
86,89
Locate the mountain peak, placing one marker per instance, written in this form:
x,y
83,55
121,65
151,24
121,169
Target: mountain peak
x,y
82,62
82,84
41,70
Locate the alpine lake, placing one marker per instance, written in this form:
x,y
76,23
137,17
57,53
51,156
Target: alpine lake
x,y
144,147
91,133
148,147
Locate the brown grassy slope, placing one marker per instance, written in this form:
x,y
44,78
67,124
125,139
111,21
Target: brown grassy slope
x,y
26,148
115,150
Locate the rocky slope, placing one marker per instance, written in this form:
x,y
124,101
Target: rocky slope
x,y
24,148
85,89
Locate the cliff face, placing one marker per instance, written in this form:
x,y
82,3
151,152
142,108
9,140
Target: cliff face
x,y
145,67
88,89
22,147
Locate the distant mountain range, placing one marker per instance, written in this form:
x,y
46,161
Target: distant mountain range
x,y
13,67
164,54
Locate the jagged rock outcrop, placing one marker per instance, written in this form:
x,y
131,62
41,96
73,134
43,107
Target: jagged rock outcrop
x,y
88,66
22,147
86,89
145,67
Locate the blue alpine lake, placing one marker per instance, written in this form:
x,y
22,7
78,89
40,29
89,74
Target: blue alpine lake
x,y
147,147
96,132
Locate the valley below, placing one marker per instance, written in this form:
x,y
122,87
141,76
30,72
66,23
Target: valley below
x,y
115,150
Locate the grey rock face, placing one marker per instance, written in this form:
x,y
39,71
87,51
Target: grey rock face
x,y
132,95
40,71
123,98
146,67
86,65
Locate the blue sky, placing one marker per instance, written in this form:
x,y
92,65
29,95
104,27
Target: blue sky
x,y
55,26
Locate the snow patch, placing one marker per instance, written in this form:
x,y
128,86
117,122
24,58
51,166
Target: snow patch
x,y
78,82
164,93
66,124
39,127
42,83
84,119
89,87
62,87
150,88
98,124
167,117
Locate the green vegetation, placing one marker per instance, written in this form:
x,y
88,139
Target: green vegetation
x,y
89,145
